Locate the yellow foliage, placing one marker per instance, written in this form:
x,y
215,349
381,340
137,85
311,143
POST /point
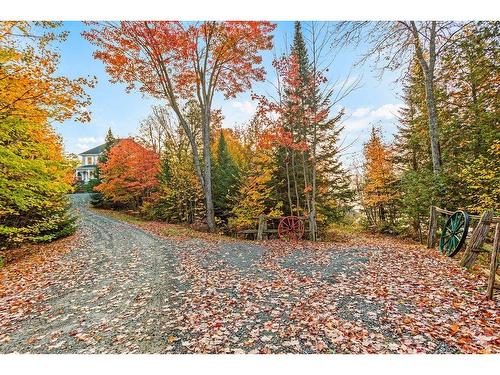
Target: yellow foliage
x,y
29,88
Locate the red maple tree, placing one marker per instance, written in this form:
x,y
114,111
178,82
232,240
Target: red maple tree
x,y
130,174
178,61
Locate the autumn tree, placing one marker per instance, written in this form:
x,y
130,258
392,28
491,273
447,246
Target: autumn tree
x,y
35,177
179,197
30,89
306,130
468,117
379,190
257,193
482,178
176,62
471,113
130,174
330,182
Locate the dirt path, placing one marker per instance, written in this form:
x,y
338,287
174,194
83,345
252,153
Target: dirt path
x,y
110,297
125,290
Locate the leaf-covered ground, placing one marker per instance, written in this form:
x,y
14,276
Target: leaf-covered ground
x,y
139,288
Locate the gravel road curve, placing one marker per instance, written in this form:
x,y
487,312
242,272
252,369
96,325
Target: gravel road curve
x,y
110,298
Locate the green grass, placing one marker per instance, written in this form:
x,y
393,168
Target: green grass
x,y
342,231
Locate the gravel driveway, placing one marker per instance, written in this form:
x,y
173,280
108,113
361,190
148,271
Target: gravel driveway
x,y
110,298
125,290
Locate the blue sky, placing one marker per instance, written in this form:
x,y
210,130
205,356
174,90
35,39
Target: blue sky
x,y
376,101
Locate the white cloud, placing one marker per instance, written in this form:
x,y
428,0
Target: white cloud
x,y
387,111
245,107
82,147
363,117
361,111
86,143
92,141
87,140
357,124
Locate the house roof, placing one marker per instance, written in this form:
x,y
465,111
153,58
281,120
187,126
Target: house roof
x,y
95,151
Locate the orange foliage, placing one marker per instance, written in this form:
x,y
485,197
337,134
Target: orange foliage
x,y
29,86
130,174
168,57
379,172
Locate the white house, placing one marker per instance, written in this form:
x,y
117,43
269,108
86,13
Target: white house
x,y
89,159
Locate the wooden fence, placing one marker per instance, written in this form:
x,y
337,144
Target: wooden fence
x,y
265,230
475,241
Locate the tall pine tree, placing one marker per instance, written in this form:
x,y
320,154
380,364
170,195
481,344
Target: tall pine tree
x,y
226,177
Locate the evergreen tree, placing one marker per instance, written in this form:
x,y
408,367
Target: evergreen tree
x,y
309,180
34,182
470,129
412,144
292,176
35,178
97,199
334,193
109,141
226,177
417,183
299,50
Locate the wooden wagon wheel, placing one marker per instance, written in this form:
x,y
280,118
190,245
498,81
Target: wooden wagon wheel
x,y
291,227
454,233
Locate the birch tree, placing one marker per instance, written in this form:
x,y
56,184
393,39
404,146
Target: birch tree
x,y
392,46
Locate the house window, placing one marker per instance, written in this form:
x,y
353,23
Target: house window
x,y
89,159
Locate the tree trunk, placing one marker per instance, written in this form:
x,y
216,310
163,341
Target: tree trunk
x,y
306,183
289,192
431,238
207,173
433,124
428,70
294,176
262,227
313,225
